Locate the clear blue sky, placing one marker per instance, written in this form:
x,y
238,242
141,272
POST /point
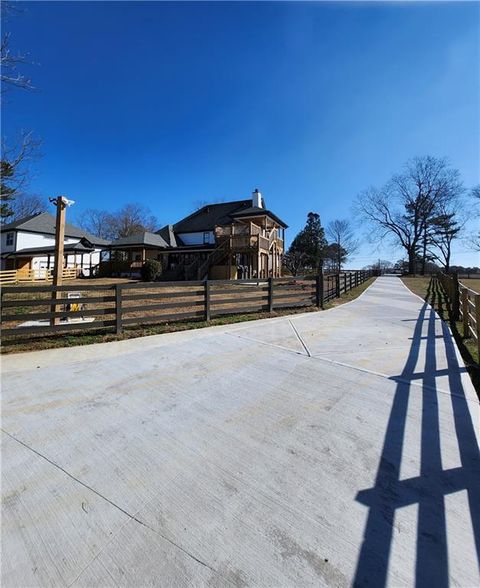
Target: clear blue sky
x,y
171,103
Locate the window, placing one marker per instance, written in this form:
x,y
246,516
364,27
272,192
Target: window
x,y
9,239
206,237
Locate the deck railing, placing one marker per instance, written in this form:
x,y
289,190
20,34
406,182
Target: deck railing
x,y
34,275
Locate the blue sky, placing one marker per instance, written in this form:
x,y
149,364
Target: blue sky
x,y
171,103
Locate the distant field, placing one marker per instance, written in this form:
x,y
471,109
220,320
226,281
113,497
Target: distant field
x,y
472,283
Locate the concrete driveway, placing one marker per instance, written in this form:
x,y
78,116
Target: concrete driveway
x,y
324,449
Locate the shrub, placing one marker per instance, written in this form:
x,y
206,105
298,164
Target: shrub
x,y
151,270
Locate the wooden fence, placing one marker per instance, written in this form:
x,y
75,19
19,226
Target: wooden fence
x,y
465,305
32,310
34,275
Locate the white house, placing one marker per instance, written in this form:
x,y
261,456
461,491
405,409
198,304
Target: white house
x,y
29,244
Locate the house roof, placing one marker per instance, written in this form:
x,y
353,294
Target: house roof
x,y
168,235
252,211
82,246
144,239
209,216
44,222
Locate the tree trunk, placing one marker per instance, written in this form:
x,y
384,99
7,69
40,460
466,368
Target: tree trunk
x,y
424,256
411,262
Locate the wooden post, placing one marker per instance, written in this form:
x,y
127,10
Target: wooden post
x,y
319,290
270,294
356,279
455,298
464,301
118,308
476,301
206,286
60,203
350,278
337,285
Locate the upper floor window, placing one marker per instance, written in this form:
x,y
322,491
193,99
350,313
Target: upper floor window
x,y
9,239
206,237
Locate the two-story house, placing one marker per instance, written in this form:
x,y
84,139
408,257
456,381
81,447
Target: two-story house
x,y
230,240
29,244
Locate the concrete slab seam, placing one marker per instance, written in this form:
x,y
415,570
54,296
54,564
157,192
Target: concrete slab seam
x,y
265,343
300,338
353,367
129,515
395,378
202,332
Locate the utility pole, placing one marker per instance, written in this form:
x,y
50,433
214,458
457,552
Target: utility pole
x,y
61,203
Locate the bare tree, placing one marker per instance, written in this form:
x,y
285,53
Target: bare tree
x,y
97,222
341,234
27,205
405,207
10,76
15,157
131,219
294,260
15,162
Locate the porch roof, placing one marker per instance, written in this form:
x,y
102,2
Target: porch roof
x,y
142,240
50,250
255,212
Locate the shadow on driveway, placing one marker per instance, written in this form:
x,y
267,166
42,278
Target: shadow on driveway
x,y
429,488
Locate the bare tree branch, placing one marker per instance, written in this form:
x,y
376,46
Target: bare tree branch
x,y
407,205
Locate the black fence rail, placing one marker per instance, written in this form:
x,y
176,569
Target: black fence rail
x,y
27,311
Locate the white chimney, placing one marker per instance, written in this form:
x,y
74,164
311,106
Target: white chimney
x,y
257,199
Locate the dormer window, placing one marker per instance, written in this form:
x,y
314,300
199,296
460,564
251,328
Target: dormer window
x,y
9,242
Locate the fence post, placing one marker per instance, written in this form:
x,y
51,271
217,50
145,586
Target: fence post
x,y
118,309
337,285
350,279
476,301
464,301
455,298
206,285
319,290
270,294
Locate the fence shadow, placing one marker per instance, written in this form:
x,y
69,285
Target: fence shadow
x,y
429,488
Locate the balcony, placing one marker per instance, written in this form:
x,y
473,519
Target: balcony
x,y
241,238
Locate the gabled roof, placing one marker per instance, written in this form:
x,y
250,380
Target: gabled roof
x,y
209,216
44,222
168,235
83,246
252,211
144,239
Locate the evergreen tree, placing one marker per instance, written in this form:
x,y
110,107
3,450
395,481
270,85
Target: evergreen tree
x,y
309,246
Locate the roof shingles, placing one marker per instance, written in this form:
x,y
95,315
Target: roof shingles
x,y
45,223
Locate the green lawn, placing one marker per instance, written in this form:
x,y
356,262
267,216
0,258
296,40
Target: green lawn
x,y
472,283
